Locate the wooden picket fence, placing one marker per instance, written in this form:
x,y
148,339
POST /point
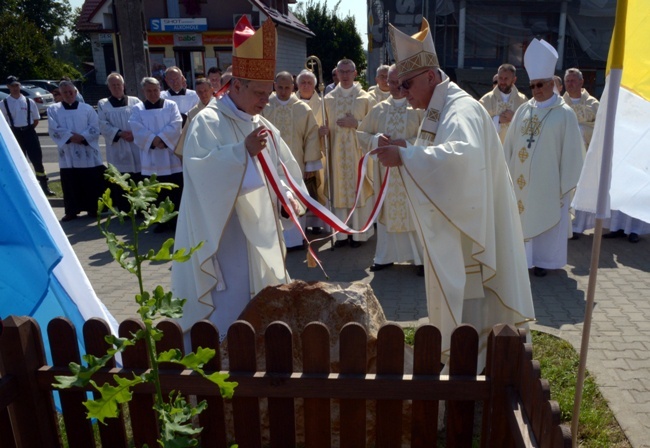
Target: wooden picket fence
x,y
516,406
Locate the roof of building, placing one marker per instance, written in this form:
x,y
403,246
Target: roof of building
x,y
88,11
91,7
288,20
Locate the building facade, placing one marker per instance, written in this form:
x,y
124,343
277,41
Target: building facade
x,y
191,34
474,37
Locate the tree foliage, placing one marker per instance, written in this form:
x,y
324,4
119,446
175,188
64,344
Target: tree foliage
x,y
51,17
26,53
76,48
336,38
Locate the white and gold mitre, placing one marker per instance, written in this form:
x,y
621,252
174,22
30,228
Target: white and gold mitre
x,y
540,60
412,53
253,52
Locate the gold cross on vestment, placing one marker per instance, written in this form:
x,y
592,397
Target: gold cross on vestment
x,y
521,182
523,154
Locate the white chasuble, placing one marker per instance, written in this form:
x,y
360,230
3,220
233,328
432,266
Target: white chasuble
x,y
544,152
315,104
345,152
81,119
585,109
125,156
466,215
297,126
495,105
215,167
378,95
398,120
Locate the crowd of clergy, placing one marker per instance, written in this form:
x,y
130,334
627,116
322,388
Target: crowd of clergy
x,y
482,188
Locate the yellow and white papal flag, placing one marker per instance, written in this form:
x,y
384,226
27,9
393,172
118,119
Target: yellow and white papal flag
x,y
629,64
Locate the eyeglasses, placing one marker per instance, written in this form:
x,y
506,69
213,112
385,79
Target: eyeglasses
x,y
539,85
405,85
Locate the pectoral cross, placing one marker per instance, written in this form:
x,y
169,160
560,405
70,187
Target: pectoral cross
x,y
530,140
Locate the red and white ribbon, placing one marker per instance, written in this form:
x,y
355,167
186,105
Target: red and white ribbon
x,y
316,207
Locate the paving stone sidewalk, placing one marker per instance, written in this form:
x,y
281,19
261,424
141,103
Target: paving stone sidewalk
x,y
619,352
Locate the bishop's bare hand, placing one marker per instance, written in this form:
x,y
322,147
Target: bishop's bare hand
x,y
323,131
256,141
388,156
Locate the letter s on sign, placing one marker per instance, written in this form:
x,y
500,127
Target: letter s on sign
x,y
155,24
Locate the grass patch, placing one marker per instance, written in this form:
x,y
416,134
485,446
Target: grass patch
x,y
559,365
55,186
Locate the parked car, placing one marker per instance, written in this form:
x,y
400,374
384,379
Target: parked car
x,y
46,84
3,95
41,97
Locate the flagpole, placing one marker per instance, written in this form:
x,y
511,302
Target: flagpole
x,y
602,207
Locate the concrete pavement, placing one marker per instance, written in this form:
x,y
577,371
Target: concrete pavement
x,y
619,352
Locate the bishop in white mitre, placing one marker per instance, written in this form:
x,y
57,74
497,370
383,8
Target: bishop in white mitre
x,y
462,201
389,122
544,151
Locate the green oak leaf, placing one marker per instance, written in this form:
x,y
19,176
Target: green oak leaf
x,y
107,406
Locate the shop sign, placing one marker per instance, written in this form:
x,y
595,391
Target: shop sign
x,y
160,39
223,38
179,25
188,40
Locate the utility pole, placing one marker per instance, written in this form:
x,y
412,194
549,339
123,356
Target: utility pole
x,y
132,35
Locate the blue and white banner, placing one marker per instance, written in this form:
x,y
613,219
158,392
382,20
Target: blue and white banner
x,y
40,275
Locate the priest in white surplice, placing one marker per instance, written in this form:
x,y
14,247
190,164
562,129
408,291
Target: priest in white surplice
x,y
121,151
502,102
345,107
184,98
156,126
227,202
392,122
299,130
544,151
462,201
74,127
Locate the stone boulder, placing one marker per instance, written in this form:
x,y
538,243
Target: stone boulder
x,y
333,304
